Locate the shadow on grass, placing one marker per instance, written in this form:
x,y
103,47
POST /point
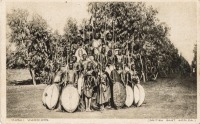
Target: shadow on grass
x,y
24,82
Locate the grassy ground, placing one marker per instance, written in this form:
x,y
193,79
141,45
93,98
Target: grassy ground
x,y
166,98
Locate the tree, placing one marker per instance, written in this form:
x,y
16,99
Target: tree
x,y
71,30
194,61
18,35
36,45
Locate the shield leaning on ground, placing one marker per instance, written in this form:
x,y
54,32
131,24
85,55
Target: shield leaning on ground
x,y
141,94
129,96
136,94
69,98
50,96
119,94
44,95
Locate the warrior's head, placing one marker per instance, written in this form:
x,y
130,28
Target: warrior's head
x,y
120,52
89,52
74,59
84,56
110,53
103,68
79,38
80,43
89,66
109,36
71,65
97,36
117,66
103,50
132,66
124,51
73,51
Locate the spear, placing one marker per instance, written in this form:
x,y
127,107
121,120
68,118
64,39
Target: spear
x,y
143,75
113,34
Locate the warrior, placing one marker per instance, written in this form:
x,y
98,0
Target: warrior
x,y
132,77
110,57
79,52
96,43
102,57
88,86
109,62
110,41
125,60
82,68
84,62
73,51
115,76
119,57
104,93
77,65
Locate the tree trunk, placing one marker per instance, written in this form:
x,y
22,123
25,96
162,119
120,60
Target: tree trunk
x,y
32,72
143,74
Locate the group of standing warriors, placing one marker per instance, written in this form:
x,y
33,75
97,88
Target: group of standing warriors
x,y
93,70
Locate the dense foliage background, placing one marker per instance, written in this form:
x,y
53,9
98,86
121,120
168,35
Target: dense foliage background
x,y
44,51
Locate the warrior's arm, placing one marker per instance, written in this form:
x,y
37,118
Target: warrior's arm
x,y
107,80
64,78
94,63
98,80
106,60
67,76
76,77
138,79
128,78
111,76
115,59
75,83
121,76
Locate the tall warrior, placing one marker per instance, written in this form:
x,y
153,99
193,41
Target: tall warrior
x,y
104,92
89,84
115,76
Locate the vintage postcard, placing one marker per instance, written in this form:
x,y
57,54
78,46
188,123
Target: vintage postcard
x,y
99,61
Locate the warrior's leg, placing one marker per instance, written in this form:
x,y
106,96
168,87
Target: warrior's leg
x,y
59,108
89,104
86,103
109,104
102,107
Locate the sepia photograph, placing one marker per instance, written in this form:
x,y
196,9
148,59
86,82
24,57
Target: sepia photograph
x,y
101,60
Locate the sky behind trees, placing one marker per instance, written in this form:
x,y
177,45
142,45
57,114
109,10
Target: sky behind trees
x,y
180,17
